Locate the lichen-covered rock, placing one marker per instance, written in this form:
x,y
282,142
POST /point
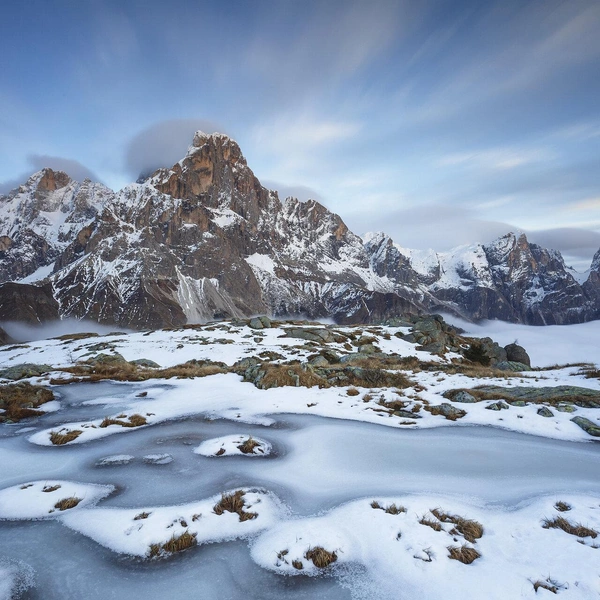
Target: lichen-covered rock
x,y
24,370
463,397
544,411
588,426
145,362
511,365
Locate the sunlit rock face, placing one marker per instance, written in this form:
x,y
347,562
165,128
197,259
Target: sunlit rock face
x,y
204,240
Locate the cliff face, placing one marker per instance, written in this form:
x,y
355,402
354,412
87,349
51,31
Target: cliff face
x,y
204,239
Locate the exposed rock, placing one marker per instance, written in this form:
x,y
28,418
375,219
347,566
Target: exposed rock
x,y
518,354
544,411
447,410
587,425
24,370
579,396
255,323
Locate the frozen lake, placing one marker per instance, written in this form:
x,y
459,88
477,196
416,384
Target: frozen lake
x,y
316,465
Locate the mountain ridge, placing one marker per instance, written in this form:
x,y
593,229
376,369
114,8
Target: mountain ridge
x,y
204,239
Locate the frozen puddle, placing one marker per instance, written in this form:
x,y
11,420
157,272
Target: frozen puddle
x,y
311,500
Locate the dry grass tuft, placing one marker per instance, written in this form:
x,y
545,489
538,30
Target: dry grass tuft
x,y
297,564
220,452
433,524
20,401
64,436
133,421
562,506
469,529
576,529
234,503
392,509
464,554
67,503
320,557
175,544
142,515
352,392
51,488
247,447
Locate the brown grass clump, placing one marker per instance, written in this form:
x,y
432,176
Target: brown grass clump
x,y
464,554
67,503
576,529
125,371
175,544
352,392
289,375
247,447
142,515
51,488
220,452
20,401
64,436
392,509
320,557
469,529
297,564
234,503
133,421
76,336
433,524
562,506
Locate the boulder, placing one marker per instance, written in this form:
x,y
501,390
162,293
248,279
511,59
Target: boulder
x,y
516,353
447,410
256,323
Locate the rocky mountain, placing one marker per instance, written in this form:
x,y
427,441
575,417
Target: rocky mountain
x,y
204,239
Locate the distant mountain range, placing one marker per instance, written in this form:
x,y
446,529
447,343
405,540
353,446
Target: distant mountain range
x,y
205,240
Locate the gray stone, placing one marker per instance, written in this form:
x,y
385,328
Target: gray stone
x,y
544,411
265,321
587,425
406,414
497,406
447,410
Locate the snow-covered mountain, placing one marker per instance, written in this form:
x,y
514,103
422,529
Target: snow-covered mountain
x,y
204,239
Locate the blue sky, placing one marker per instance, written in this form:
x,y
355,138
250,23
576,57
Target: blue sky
x,y
439,122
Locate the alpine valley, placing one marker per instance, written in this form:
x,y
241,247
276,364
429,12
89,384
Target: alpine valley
x,y
204,240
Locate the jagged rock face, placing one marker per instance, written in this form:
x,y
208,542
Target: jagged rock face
x,y
40,218
509,279
204,239
28,303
